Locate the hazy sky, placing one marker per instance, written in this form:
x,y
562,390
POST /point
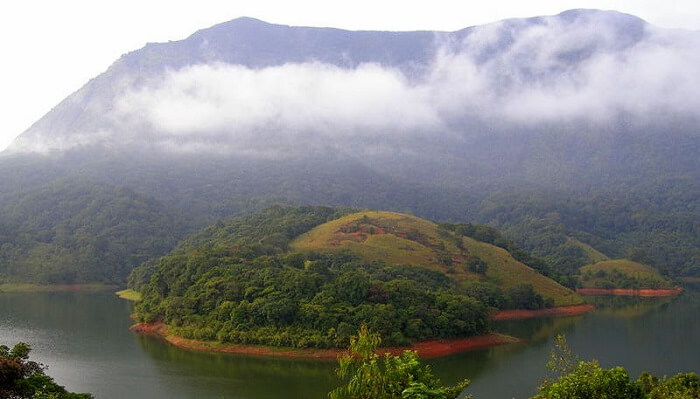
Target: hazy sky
x,y
50,48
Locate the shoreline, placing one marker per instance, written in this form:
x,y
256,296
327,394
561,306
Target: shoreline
x,y
425,349
559,311
643,292
129,295
26,287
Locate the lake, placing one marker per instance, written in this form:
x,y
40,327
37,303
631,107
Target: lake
x,y
84,339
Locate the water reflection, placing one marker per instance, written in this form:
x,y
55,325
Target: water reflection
x,y
628,306
661,335
236,376
85,340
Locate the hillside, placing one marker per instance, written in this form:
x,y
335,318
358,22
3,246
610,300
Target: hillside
x,y
400,239
78,232
622,273
592,254
256,280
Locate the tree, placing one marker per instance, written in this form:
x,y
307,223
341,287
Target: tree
x,y
371,376
583,380
524,296
587,380
562,360
590,381
680,386
22,378
477,265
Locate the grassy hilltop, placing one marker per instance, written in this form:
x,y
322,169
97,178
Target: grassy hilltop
x,y
622,273
401,239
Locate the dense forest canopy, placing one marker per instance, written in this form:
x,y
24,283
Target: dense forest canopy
x,y
71,233
562,232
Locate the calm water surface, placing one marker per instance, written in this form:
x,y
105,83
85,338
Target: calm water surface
x,y
84,339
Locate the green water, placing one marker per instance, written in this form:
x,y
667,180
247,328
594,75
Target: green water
x,y
85,341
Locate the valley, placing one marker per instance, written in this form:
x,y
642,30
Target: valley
x,y
260,196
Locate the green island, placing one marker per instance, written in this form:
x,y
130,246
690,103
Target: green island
x,y
308,277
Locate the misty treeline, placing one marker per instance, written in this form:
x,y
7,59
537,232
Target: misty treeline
x,y
65,234
62,226
238,282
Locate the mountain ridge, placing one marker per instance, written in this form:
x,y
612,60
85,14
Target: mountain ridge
x,y
257,44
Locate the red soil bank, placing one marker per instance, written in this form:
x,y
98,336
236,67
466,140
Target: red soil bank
x,y
630,292
425,349
559,311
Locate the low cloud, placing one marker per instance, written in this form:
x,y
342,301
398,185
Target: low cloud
x,y
584,69
211,100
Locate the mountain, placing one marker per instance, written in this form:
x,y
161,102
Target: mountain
x,y
240,49
581,125
309,276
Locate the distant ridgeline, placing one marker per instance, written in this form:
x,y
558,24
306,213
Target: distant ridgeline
x,y
307,277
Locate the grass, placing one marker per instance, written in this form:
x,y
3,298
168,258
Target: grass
x,y
592,254
401,239
26,287
508,272
129,295
391,247
626,267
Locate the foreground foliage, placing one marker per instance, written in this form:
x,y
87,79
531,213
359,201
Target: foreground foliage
x,y
588,380
22,378
371,376
367,375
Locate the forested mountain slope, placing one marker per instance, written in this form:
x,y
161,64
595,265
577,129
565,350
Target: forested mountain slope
x,y
75,232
